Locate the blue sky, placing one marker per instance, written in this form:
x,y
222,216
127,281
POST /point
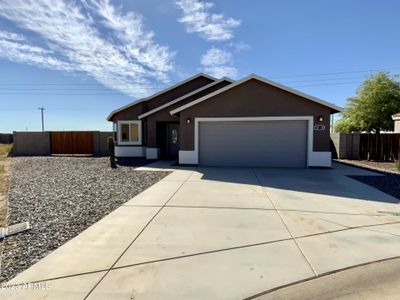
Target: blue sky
x,y
82,59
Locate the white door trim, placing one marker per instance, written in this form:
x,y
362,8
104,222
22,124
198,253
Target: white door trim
x,y
309,119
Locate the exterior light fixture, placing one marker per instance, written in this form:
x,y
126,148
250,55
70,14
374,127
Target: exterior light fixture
x,y
320,118
188,120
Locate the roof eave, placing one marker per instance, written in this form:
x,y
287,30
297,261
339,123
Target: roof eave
x,y
160,92
334,108
184,97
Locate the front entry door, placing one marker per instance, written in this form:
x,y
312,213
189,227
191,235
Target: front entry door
x,y
172,140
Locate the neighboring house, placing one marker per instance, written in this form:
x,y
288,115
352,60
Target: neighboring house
x,y
220,122
396,119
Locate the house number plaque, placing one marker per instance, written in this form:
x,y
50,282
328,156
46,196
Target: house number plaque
x,y
319,127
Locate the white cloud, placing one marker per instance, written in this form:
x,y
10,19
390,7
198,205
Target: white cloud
x,y
32,55
124,55
218,62
240,46
11,36
212,27
215,56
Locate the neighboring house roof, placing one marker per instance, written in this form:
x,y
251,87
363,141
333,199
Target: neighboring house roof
x,y
185,97
159,93
270,82
396,116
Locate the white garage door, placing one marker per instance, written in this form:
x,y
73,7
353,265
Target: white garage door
x,y
253,143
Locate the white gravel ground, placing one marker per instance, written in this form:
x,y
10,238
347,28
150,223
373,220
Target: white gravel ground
x,y
60,197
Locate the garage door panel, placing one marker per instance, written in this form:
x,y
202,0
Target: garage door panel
x,y
253,143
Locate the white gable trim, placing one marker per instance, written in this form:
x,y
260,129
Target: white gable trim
x,y
159,93
184,97
259,78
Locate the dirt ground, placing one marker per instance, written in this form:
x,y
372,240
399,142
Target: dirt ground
x,y
377,165
5,167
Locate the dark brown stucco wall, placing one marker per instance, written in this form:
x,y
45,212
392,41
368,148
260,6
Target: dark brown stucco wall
x,y
130,113
134,111
164,115
255,99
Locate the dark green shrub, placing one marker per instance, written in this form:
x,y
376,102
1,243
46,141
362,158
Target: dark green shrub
x,y
398,161
111,150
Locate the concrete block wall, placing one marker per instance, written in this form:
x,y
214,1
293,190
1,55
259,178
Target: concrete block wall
x,y
347,145
6,138
38,143
31,143
100,147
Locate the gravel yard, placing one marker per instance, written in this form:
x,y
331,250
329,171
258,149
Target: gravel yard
x,y
60,197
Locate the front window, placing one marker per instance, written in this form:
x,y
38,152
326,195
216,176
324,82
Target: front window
x,y
129,132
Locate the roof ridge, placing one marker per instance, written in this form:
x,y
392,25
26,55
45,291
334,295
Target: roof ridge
x,y
195,76
262,79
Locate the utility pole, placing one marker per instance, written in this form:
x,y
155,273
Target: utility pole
x,y
42,109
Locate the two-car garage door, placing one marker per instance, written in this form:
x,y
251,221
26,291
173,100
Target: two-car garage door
x,y
253,143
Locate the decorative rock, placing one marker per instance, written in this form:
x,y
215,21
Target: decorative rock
x,y
61,197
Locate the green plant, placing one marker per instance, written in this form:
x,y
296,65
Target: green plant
x,y
111,150
371,109
398,161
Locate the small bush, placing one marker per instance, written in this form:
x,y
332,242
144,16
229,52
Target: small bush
x,y
398,162
111,149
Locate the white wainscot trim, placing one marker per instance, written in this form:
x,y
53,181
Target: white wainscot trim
x,y
129,151
152,153
188,157
320,159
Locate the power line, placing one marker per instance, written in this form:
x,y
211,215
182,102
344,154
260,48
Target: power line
x,y
318,80
52,109
94,84
161,86
118,94
46,92
138,89
335,73
49,94
323,84
66,89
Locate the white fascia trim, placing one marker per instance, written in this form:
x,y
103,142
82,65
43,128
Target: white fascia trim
x,y
129,151
262,79
152,153
119,140
185,97
310,131
159,93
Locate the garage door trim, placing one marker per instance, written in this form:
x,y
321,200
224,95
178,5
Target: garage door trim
x,y
309,119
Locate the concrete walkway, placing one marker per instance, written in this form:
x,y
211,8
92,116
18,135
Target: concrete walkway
x,y
222,233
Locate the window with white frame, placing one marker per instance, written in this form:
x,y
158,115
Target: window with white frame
x,y
130,132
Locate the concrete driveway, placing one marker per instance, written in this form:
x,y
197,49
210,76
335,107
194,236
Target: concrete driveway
x,y
223,233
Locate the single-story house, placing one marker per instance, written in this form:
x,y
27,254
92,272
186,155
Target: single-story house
x,y
221,122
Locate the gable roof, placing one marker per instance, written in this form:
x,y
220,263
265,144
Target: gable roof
x,y
396,116
334,107
159,93
184,97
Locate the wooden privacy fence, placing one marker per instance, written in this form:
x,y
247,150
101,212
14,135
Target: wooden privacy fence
x,y
384,146
71,142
